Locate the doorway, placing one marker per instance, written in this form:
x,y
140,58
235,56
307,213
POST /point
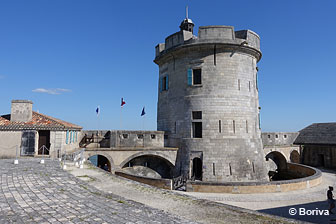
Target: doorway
x,y
320,160
44,140
197,169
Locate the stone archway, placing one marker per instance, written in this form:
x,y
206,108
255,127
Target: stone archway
x,y
277,165
295,156
148,165
101,159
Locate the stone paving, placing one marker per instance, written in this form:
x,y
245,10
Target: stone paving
x,y
280,204
43,193
172,202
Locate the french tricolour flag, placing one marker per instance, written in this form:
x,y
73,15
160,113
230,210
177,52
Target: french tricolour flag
x,y
122,102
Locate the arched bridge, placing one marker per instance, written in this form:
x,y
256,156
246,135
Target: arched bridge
x,y
119,158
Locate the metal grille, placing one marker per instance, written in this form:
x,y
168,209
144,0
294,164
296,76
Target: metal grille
x,y
28,143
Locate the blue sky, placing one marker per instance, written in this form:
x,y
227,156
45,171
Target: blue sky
x,y
77,54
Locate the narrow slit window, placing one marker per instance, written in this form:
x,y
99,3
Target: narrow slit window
x,y
230,169
220,126
213,169
253,167
215,55
249,86
234,126
246,126
238,84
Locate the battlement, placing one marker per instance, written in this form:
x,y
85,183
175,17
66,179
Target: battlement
x,y
124,138
208,35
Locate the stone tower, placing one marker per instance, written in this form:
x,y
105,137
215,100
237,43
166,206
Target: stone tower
x,y
208,102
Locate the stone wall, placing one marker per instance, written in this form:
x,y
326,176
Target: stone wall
x,y
319,155
125,138
230,147
160,183
9,141
21,110
278,138
313,177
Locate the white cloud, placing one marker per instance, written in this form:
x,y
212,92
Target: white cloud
x,y
56,91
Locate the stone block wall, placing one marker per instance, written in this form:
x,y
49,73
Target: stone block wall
x,y
230,147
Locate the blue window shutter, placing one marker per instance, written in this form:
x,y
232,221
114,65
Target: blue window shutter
x,y
67,137
161,85
167,83
76,136
189,77
70,136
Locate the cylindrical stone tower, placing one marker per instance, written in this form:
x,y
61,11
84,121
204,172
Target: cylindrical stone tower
x,y
208,102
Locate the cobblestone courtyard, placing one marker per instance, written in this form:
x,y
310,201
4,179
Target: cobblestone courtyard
x,y
43,193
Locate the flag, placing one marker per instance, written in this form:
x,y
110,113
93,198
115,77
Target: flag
x,y
122,102
143,111
97,111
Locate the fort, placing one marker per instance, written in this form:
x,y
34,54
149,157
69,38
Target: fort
x,y
208,124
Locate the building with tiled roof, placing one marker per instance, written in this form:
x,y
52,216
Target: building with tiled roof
x,y
26,132
318,144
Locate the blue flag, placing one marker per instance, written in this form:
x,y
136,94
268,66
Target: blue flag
x,y
143,111
97,111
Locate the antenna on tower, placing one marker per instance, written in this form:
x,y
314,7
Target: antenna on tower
x,y
187,11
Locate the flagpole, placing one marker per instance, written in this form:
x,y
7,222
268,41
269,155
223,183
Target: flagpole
x,y
120,118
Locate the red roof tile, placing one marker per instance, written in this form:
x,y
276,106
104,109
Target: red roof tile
x,y
39,121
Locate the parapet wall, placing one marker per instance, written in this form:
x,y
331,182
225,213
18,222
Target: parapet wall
x,y
210,34
160,183
124,138
278,138
313,178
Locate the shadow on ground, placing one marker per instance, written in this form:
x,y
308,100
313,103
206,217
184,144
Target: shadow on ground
x,y
314,212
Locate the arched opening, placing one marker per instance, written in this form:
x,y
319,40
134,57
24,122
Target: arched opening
x,y
295,157
101,162
197,169
149,166
277,166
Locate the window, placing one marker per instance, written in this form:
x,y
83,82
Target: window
x,y
238,84
213,169
165,136
197,115
194,76
285,136
197,129
276,136
268,136
140,136
220,126
153,136
125,135
164,84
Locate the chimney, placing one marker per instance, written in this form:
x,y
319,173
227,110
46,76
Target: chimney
x,y
21,110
